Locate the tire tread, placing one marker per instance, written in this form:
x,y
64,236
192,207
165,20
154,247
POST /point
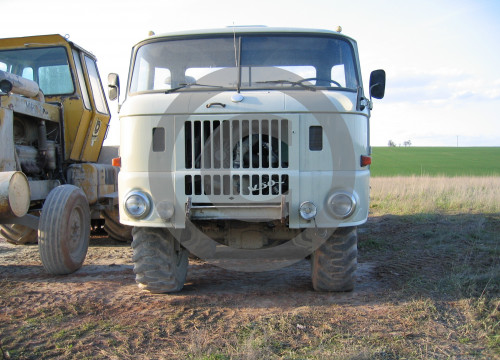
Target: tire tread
x,y
158,267
52,242
334,263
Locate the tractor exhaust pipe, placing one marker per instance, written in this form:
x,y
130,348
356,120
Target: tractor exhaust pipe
x,y
19,85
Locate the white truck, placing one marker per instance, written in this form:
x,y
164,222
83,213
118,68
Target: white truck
x,y
247,147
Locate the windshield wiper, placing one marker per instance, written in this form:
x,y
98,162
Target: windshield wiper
x,y
182,86
293,83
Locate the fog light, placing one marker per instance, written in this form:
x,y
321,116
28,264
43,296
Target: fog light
x,y
137,204
342,204
307,210
165,209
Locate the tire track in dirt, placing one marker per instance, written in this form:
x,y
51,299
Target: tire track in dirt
x,y
107,278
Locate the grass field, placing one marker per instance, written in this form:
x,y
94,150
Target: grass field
x,y
435,161
416,195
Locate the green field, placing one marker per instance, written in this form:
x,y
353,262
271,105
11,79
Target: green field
x,y
435,161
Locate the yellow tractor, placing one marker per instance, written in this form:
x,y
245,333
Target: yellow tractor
x,y
54,118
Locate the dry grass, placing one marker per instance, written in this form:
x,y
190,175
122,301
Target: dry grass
x,y
431,195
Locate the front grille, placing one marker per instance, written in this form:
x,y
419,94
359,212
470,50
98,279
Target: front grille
x,y
232,185
236,144
251,156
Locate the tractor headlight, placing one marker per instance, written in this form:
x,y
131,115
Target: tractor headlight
x,y
137,204
342,204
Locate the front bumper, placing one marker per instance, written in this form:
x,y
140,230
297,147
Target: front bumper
x,y
172,206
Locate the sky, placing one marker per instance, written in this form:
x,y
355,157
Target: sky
x,y
441,57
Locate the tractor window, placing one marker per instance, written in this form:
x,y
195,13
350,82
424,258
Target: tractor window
x,y
27,73
55,79
47,66
95,83
81,80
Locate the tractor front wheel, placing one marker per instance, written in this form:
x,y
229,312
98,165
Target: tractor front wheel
x,y
64,230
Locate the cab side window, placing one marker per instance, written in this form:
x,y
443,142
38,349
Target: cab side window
x,y
95,83
81,80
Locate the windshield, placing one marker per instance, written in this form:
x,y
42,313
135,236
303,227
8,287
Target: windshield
x,y
246,62
48,67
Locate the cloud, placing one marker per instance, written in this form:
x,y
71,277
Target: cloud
x,y
440,86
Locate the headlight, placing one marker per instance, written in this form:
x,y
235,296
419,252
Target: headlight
x,y
342,204
307,210
137,204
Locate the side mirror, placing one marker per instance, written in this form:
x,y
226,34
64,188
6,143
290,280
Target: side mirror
x,y
113,86
377,84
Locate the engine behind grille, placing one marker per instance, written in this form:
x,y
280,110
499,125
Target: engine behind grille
x,y
236,144
251,157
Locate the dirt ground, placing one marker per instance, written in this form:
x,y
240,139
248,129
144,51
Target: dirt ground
x,y
399,308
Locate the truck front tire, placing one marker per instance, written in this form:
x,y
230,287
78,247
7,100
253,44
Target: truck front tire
x,y
160,263
334,262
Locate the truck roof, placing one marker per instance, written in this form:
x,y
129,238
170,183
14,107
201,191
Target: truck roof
x,y
255,29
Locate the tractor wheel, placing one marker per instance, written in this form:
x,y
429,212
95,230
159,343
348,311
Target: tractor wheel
x,y
114,229
160,263
64,230
18,234
334,262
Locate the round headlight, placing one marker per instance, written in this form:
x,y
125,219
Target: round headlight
x,y
307,210
137,204
342,204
